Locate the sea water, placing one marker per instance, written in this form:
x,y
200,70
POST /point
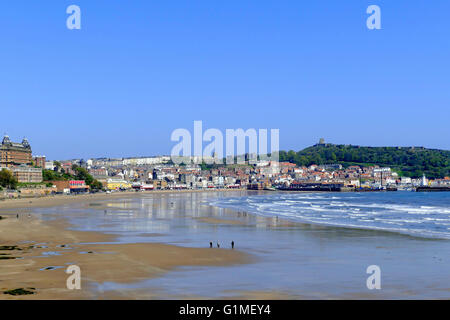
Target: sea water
x,y
425,214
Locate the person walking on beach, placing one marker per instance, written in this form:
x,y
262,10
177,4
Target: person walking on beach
x,y
218,245
210,244
232,244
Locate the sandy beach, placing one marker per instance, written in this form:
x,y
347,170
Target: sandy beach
x,y
155,245
38,253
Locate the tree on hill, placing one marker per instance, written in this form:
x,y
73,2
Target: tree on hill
x,y
411,162
57,165
96,185
50,175
83,174
7,180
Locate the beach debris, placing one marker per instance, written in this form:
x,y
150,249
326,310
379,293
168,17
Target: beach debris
x,y
3,248
6,258
51,268
94,204
20,291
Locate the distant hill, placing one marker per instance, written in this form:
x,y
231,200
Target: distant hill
x,y
407,161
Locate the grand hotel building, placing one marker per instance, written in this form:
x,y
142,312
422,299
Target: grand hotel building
x,y
17,158
15,154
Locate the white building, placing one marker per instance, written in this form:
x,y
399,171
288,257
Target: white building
x,y
405,180
49,165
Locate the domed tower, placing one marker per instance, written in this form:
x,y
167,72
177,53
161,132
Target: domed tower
x,y
6,141
26,144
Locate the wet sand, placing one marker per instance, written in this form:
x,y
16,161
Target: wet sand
x,y
57,200
219,221
42,250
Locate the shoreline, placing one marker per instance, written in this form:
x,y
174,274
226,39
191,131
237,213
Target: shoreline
x,y
56,200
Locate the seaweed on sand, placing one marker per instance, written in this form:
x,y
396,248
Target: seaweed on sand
x,y
9,248
3,248
19,291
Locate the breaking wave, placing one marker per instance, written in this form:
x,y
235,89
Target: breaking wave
x,y
418,214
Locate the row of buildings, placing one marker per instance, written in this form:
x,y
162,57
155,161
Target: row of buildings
x,y
147,173
164,175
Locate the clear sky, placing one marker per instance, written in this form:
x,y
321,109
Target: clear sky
x,y
137,70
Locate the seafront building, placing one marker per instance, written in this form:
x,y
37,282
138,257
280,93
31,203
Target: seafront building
x,y
71,186
158,172
14,153
40,161
153,173
27,174
118,184
17,158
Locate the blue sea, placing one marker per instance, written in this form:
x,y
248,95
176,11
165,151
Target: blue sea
x,y
417,214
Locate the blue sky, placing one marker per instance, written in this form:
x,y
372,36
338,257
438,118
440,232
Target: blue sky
x,y
137,70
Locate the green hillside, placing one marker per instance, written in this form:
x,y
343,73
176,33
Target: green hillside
x,y
407,161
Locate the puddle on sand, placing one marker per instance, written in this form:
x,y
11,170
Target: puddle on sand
x,y
51,253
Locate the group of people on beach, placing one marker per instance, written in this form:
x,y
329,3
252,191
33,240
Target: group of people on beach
x,y
218,244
